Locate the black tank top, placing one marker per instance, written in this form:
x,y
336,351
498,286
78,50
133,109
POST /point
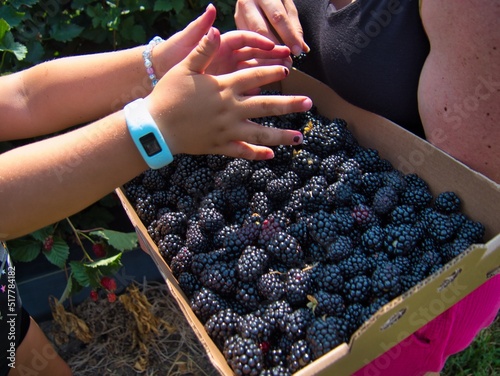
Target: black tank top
x,y
371,52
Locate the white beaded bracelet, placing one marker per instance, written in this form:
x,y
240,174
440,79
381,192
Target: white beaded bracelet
x,y
148,63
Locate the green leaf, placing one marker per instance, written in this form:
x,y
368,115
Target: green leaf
x,y
4,28
59,253
8,44
43,233
65,32
72,287
24,249
163,6
122,241
107,266
11,16
80,273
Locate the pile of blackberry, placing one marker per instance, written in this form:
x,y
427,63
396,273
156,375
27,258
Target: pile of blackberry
x,y
283,260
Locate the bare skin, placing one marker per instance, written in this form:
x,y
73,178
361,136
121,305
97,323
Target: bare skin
x,y
459,88
46,181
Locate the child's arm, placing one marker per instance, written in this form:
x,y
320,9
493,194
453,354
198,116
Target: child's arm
x,y
197,113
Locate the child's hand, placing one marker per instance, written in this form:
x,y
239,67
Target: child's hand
x,y
238,49
200,113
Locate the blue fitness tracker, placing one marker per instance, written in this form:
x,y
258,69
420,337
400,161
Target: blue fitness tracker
x,y
146,135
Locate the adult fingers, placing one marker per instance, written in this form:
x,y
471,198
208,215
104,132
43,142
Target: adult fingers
x,y
249,16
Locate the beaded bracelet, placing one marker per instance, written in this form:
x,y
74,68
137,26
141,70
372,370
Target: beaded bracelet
x,y
148,63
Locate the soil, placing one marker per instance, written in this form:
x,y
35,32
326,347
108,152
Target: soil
x,y
143,332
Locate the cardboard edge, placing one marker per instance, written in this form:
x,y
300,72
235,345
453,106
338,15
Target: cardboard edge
x,y
214,354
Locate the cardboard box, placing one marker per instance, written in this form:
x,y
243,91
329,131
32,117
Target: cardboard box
x,y
410,311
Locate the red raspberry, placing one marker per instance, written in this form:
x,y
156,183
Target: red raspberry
x,y
108,283
48,243
94,296
99,249
111,297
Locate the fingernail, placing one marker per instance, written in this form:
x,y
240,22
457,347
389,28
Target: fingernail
x,y
307,48
286,71
297,139
210,34
296,50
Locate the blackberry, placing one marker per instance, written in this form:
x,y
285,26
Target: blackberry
x,y
134,191
354,316
305,164
368,159
188,283
295,323
251,227
403,214
271,286
243,355
160,198
298,230
385,200
454,248
339,194
402,239
172,223
186,165
260,177
299,356
328,277
206,303
220,277
277,370
358,289
364,216
236,173
350,173
252,263
169,246
254,326
314,253
386,281
145,209
355,265
371,182
340,249
217,162
200,182
472,231
286,249
330,167
275,222
373,307
260,203
318,142
322,336
222,325
201,261
247,295
211,220
327,303
395,179
213,200
312,195
236,198
283,155
416,195
152,180
440,226
181,262
373,239
323,228
447,202
279,190
340,136
196,239
298,285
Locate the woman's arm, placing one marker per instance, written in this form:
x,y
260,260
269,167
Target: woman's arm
x,y
459,90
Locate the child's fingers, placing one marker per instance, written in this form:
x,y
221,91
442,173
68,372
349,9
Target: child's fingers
x,y
273,105
256,134
195,30
202,55
238,39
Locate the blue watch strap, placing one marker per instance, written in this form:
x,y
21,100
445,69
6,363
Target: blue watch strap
x,y
146,135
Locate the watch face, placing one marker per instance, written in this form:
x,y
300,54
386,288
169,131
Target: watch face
x,y
150,144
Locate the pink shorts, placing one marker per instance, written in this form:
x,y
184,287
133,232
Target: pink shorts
x,y
427,349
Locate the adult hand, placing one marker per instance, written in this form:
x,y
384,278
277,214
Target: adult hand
x,y
200,113
276,19
239,49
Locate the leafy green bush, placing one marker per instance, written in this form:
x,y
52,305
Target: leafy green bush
x,y
32,31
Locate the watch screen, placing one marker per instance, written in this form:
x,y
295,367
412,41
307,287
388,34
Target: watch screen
x,y
150,144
